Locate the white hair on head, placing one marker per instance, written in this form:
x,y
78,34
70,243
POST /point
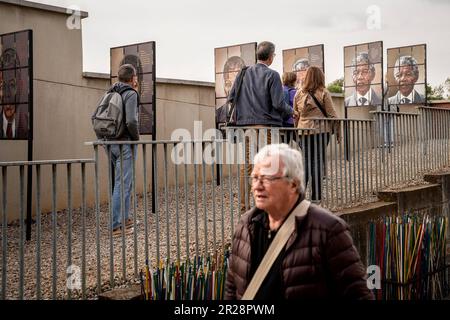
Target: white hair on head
x,y
291,159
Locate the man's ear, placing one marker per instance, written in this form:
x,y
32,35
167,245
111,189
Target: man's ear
x,y
295,183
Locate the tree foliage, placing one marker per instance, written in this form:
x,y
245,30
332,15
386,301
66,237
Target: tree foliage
x,y
337,86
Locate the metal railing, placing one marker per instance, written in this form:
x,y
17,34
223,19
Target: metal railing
x,y
196,196
15,240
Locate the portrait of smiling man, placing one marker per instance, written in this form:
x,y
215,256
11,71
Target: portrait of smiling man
x,y
363,73
406,74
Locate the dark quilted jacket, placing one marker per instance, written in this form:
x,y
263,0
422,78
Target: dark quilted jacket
x,y
320,259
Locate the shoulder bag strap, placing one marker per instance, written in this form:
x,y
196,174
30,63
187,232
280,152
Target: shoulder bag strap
x,y
319,105
274,250
238,90
121,92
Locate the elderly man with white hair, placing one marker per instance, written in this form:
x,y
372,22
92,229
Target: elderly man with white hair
x,y
287,248
406,73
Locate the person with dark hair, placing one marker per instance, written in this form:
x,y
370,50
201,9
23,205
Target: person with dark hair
x,y
260,103
314,101
136,63
13,123
126,86
316,260
289,79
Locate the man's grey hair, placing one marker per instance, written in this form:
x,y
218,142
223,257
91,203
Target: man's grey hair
x,y
301,64
265,50
126,72
405,61
363,58
291,159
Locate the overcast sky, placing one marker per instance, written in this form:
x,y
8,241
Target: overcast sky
x,y
187,31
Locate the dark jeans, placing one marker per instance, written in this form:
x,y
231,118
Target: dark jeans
x,y
314,149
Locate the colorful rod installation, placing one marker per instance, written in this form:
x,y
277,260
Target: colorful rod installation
x,y
410,252
203,278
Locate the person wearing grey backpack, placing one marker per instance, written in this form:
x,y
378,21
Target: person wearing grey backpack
x,y
117,119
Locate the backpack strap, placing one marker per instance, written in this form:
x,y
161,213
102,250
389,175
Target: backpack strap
x,y
121,92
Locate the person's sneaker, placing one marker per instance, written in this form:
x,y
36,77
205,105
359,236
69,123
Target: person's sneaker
x,y
117,232
129,223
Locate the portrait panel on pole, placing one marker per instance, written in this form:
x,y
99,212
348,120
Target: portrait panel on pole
x,y
363,74
142,57
406,75
15,84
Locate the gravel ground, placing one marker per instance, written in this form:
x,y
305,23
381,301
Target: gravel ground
x,y
339,191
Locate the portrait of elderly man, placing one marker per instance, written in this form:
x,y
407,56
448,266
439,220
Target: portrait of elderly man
x,y
363,73
300,67
231,69
318,259
13,122
406,74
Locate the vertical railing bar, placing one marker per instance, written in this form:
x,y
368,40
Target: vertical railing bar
x,y
69,222
22,233
205,224
145,196
245,173
354,160
197,238
333,145
393,152
83,230
133,186
358,132
383,159
177,213
222,182
166,201
324,177
38,232
97,219
4,232
186,197
410,149
375,136
404,148
156,193
122,213
213,200
230,179
365,165
318,164
340,193
54,224
111,241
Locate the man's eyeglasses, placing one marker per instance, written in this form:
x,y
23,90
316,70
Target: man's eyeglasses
x,y
266,180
